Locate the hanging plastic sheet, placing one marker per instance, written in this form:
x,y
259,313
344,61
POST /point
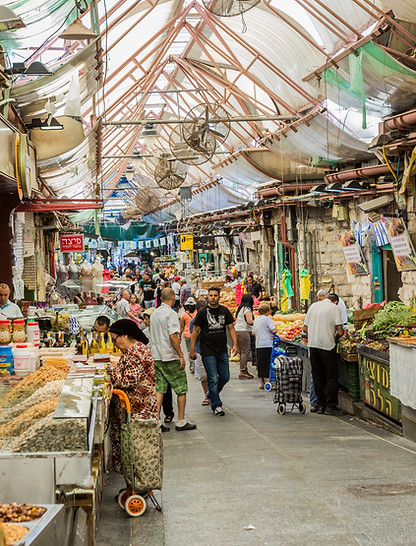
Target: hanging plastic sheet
x,y
304,284
287,283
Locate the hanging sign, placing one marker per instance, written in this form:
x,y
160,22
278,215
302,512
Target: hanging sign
x,y
72,243
204,243
404,254
186,242
353,255
247,240
148,244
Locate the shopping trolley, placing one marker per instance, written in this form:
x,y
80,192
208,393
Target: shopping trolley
x,y
129,499
276,351
288,369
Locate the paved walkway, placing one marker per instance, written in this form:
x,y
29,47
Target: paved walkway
x,y
254,477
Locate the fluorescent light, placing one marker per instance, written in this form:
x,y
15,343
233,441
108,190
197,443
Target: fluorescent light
x,y
355,185
51,124
9,20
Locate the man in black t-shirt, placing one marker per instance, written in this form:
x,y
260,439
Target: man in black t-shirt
x,y
147,288
210,325
253,288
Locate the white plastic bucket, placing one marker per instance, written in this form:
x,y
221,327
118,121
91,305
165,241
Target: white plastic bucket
x,y
22,360
33,333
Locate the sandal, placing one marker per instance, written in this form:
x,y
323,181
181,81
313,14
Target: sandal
x,y
168,419
206,402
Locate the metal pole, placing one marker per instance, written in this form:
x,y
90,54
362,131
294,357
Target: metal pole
x,y
235,119
146,155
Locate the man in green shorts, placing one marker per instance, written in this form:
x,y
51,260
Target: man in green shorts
x,y
168,356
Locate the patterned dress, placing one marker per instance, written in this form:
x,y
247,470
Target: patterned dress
x,y
135,375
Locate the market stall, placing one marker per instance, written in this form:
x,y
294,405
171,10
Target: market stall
x,y
52,435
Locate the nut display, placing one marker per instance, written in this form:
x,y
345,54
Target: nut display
x,y
26,419
12,533
50,434
33,382
48,391
17,513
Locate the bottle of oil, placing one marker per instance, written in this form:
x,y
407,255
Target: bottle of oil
x,y
56,343
109,345
84,343
101,346
94,344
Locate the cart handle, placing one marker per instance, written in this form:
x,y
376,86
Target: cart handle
x,y
124,401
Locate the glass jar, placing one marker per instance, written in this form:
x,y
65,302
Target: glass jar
x,y
19,334
5,336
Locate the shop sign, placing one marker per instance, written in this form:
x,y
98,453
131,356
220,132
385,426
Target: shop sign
x,y
375,384
140,245
204,243
148,244
71,243
247,240
186,242
354,257
404,254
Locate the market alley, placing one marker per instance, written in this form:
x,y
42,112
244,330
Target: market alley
x,y
254,477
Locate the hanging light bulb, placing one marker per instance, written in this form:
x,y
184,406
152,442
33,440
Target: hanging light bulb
x,y
149,134
129,172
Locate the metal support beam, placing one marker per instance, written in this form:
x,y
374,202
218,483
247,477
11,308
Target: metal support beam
x,y
234,119
54,205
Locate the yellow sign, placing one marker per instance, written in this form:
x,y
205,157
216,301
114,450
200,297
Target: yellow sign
x,y
187,242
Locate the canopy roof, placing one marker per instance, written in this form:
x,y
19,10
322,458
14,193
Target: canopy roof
x,y
305,83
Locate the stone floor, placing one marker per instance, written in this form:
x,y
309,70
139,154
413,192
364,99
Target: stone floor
x,y
254,477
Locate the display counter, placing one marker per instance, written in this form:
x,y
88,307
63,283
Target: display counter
x,y
52,449
48,529
403,381
374,369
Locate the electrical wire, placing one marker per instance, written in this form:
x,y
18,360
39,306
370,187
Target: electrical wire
x,y
388,164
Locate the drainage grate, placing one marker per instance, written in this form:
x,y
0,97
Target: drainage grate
x,y
386,490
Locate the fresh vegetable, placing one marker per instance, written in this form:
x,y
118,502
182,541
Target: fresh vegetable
x,y
394,312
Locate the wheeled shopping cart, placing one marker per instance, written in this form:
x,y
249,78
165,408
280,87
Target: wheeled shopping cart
x,y
288,369
276,351
132,500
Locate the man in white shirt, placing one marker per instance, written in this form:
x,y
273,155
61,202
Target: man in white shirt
x,y
8,309
322,327
122,307
168,356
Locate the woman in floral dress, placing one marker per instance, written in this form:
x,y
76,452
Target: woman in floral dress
x,y
135,375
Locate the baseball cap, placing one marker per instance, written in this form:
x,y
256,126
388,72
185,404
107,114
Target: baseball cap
x,y
190,301
177,279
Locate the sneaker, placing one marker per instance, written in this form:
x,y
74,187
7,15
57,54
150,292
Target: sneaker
x,y
186,426
314,409
336,412
321,410
164,429
218,411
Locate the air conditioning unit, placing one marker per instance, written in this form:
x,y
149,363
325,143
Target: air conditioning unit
x,y
377,203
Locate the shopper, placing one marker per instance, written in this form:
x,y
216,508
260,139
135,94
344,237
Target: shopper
x,y
185,291
263,330
210,326
135,308
253,287
322,327
168,355
176,287
342,307
134,374
200,372
167,405
186,317
8,309
122,307
147,291
244,326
